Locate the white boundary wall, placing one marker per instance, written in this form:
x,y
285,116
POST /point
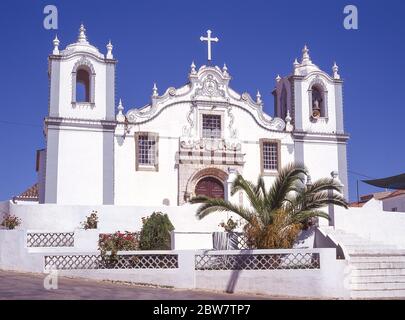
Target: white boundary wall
x,y
326,282
371,222
112,217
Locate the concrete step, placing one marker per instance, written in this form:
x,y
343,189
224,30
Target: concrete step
x,y
378,279
377,272
377,294
378,286
377,258
374,251
379,265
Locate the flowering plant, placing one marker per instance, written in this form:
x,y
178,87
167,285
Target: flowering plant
x,y
91,221
118,241
10,221
230,225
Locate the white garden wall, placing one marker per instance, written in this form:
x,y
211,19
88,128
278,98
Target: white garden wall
x,y
112,218
372,223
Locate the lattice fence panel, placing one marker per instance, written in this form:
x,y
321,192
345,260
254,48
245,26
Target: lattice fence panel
x,y
147,261
54,239
258,261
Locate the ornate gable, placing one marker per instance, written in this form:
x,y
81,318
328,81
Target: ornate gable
x,y
208,86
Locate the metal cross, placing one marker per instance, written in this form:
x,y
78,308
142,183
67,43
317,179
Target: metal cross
x,y
209,39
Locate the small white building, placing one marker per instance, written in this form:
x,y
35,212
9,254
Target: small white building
x,y
393,201
187,140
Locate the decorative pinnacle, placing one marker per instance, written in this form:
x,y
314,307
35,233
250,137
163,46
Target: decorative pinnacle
x,y
120,106
225,69
109,47
56,43
305,55
335,70
296,63
258,97
82,34
278,78
288,117
154,90
309,181
120,116
193,70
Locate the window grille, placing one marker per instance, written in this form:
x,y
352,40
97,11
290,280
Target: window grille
x,y
270,156
211,126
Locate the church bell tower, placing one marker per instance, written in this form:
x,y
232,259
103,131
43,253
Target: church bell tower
x,y
313,101
80,125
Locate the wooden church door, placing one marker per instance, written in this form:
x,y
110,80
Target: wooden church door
x,y
210,187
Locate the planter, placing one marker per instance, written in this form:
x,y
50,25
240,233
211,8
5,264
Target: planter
x,y
225,241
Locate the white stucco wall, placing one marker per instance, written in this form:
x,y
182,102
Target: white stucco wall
x,y
397,203
321,158
113,218
372,223
80,167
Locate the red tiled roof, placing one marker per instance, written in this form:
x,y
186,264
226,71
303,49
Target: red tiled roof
x,y
394,194
31,194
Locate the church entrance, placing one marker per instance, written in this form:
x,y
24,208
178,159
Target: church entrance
x,y
210,187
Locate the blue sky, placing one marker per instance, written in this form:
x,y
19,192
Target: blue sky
x,y
157,40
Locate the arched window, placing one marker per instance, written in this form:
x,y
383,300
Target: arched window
x,y
83,82
318,102
82,86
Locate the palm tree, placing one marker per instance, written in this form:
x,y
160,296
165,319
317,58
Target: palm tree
x,y
276,216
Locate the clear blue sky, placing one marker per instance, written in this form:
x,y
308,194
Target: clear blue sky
x,y
157,40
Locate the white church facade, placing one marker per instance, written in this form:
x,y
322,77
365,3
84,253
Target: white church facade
x,y
126,163
186,141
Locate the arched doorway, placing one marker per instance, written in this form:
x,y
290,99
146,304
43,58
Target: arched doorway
x,y
210,187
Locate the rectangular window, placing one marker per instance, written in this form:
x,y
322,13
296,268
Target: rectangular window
x,y
146,151
270,155
211,126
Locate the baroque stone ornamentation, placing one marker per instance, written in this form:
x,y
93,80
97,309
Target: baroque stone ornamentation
x,y
210,144
210,88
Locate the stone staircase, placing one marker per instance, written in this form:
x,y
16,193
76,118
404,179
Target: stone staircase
x,y
378,269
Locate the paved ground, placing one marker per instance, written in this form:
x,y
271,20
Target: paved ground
x,y
14,286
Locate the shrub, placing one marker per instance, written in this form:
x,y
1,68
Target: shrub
x,y
91,221
278,235
155,233
10,221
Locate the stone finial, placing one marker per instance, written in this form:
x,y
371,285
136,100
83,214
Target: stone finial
x,y
335,70
225,70
109,47
296,64
309,181
155,91
193,68
258,97
56,43
335,177
82,38
120,115
288,127
305,55
278,78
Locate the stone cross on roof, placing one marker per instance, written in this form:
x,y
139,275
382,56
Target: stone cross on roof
x,y
209,40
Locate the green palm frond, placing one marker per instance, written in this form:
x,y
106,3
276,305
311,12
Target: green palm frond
x,y
210,205
286,182
253,192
